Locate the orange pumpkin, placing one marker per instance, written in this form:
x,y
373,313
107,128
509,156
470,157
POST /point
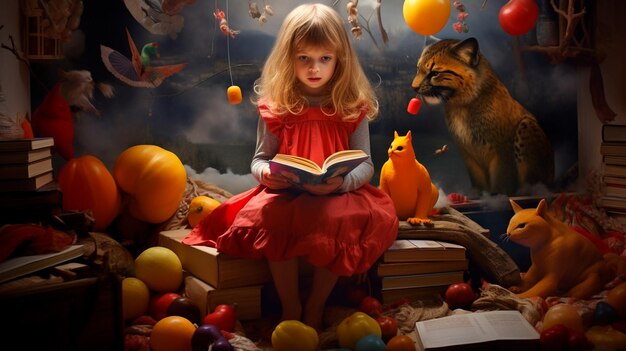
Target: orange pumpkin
x,y
154,179
87,184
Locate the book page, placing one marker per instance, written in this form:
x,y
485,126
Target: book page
x,y
427,244
510,325
452,330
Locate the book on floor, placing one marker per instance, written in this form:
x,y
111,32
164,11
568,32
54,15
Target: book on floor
x,y
25,144
213,267
421,280
614,190
22,265
26,170
406,268
26,184
207,297
10,157
611,180
412,250
614,132
300,170
492,330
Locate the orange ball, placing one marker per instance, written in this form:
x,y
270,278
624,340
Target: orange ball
x,y
172,333
563,314
426,17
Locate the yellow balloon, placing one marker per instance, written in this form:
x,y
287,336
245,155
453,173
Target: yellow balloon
x,y
426,17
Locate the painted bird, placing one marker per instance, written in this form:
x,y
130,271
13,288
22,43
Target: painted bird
x,y
138,71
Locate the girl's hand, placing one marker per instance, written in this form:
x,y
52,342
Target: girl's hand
x,y
274,181
332,184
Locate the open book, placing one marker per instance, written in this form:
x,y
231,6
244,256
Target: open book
x,y
493,330
300,170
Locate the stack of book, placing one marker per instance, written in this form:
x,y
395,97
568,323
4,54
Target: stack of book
x,y
418,269
27,186
213,278
613,151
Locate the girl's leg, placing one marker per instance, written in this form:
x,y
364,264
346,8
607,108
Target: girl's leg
x,y
323,283
285,276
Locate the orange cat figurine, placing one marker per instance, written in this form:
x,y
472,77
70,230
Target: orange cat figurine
x,y
563,261
408,182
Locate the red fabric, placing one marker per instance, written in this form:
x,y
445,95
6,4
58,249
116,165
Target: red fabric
x,y
345,233
53,118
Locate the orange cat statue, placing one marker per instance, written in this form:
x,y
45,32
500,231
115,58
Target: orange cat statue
x,y
408,182
563,261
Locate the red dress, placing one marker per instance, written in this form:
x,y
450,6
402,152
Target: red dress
x,y
344,232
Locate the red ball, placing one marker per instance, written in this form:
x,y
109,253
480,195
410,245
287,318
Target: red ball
x,y
518,17
459,295
159,303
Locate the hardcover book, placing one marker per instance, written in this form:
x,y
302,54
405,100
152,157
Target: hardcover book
x,y
492,330
612,148
26,184
406,250
27,156
27,170
300,170
22,265
614,170
613,132
25,144
422,280
407,268
213,267
207,297
614,160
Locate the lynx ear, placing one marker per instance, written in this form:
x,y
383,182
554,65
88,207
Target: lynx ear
x,y
542,208
467,51
395,134
408,135
515,206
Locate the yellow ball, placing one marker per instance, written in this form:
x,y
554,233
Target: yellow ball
x,y
172,333
160,269
135,298
426,17
563,314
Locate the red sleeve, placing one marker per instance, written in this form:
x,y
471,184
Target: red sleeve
x,y
273,122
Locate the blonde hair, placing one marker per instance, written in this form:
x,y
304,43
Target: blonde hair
x,y
315,25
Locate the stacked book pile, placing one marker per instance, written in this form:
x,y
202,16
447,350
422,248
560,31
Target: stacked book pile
x,y
27,186
213,278
613,151
418,269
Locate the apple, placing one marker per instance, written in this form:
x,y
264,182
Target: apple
x,y
555,338
388,327
371,306
185,307
224,317
459,295
159,303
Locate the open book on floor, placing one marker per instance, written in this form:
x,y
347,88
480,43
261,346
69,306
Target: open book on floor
x,y
300,170
493,330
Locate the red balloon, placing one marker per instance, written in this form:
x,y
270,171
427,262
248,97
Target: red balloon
x,y
518,17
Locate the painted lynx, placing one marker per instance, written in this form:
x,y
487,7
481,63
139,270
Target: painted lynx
x,y
564,262
408,182
501,142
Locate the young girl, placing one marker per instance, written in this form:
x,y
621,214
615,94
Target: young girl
x,y
313,100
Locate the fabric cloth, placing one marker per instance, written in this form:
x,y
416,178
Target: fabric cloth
x,y
344,232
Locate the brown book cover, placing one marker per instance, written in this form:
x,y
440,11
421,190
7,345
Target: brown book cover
x,y
26,170
246,299
421,280
408,250
613,132
25,144
492,330
26,184
425,294
213,267
612,148
406,268
27,156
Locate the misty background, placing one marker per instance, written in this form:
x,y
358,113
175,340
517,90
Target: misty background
x,y
189,113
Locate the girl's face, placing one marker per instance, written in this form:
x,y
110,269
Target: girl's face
x,y
314,67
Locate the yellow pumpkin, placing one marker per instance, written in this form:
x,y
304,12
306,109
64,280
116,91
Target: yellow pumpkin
x,y
87,184
200,207
153,179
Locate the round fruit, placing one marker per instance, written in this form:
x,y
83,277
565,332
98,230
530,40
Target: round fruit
x,y
401,343
159,268
616,297
460,295
564,314
172,333
160,303
184,307
200,207
135,298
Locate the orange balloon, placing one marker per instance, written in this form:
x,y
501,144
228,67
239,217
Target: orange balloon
x,y
87,184
426,17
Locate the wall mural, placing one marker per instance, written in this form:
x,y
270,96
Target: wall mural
x,y
170,64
